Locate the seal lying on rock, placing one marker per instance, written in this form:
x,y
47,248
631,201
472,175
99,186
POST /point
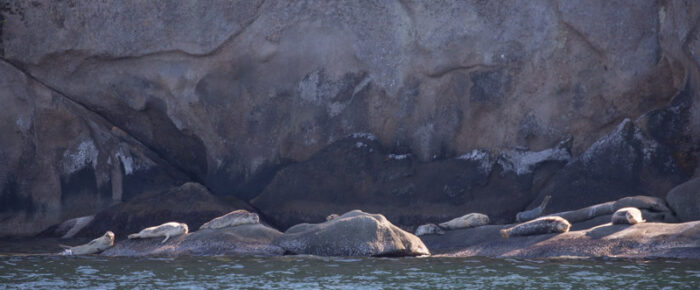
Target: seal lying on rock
x,y
466,221
331,217
166,230
627,216
232,219
429,229
534,213
93,247
540,226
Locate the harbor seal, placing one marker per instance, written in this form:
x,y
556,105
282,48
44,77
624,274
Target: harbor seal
x,y
534,213
627,216
166,230
93,247
232,219
429,229
332,216
466,221
539,226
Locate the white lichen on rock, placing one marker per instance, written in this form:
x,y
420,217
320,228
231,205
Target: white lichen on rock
x,y
78,158
481,156
398,156
363,135
523,162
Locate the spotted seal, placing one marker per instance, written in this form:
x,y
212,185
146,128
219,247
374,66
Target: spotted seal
x,y
627,216
166,230
332,216
232,219
466,221
429,229
534,213
539,226
93,247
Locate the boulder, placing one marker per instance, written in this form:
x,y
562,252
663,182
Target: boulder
x,y
359,172
242,240
625,162
190,203
354,233
644,240
684,199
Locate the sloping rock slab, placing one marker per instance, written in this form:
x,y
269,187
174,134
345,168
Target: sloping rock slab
x,y
354,233
645,240
190,203
244,240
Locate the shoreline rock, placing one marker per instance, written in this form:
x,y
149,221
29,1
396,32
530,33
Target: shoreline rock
x,y
242,240
354,233
644,240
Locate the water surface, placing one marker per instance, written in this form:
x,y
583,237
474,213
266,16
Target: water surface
x,y
304,272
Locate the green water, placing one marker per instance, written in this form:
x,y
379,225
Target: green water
x,y
306,272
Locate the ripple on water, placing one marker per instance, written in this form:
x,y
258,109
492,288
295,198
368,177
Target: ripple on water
x,y
309,272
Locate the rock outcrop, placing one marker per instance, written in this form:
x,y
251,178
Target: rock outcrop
x,y
354,233
242,240
190,203
684,200
645,240
105,101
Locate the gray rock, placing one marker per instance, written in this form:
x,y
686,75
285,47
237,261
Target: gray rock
x,y
359,171
626,162
645,240
684,199
190,203
354,233
226,93
243,240
71,227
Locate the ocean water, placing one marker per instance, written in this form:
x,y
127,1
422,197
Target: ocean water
x,y
309,272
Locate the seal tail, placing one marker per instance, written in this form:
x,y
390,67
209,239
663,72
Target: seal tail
x,y
504,233
133,236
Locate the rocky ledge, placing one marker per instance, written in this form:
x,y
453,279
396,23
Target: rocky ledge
x,y
645,240
243,240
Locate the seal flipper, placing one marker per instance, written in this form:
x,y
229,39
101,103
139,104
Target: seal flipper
x,y
66,252
167,236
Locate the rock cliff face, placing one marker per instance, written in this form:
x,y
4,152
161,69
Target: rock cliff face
x,y
102,102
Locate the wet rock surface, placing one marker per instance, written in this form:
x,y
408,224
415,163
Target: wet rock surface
x,y
242,240
354,233
644,240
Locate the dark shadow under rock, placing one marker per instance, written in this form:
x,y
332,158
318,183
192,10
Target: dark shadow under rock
x,y
190,203
243,240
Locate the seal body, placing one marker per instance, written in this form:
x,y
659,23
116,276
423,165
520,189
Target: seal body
x,y
331,217
166,230
627,216
534,213
93,247
429,229
232,219
539,226
466,221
